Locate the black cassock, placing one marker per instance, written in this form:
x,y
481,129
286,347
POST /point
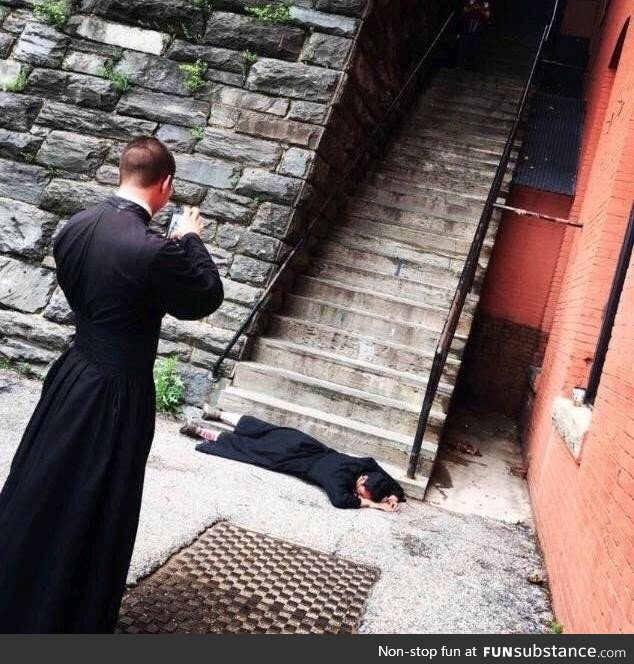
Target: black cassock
x,y
69,509
292,452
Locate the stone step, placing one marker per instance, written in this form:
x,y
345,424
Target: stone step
x,y
337,432
358,374
373,326
443,255
460,132
412,182
447,155
469,196
420,239
459,225
435,294
437,134
414,163
428,112
403,180
444,150
407,224
362,299
428,267
460,99
419,169
361,346
492,85
431,256
454,90
434,201
341,400
388,265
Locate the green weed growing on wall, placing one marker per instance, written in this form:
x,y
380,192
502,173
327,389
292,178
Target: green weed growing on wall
x,y
194,75
54,12
278,13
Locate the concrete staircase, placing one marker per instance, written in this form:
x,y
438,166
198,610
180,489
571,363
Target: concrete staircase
x,y
347,357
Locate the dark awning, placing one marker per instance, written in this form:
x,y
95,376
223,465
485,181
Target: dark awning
x,y
550,153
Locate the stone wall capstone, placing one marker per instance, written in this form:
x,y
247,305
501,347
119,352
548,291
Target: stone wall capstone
x,y
263,119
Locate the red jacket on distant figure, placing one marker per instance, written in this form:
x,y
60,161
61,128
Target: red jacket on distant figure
x,y
475,14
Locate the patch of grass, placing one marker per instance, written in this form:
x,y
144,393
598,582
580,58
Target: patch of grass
x,y
19,367
198,132
556,627
18,84
54,12
29,157
170,390
194,75
249,59
120,81
278,13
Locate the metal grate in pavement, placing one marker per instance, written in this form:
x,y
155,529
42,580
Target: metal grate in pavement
x,y
239,581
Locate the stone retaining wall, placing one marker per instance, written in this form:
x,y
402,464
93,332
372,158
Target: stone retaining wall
x,y
278,116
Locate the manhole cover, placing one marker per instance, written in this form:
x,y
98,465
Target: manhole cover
x,y
238,581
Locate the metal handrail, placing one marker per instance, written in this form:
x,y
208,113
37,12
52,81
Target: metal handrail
x,y
336,191
467,275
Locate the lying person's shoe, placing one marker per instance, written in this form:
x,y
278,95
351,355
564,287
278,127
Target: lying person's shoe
x,y
210,413
191,430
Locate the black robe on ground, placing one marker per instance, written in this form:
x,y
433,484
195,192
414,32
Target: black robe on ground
x,y
69,509
292,452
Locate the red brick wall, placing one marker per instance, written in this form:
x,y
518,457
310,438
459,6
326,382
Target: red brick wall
x,y
515,310
496,364
584,508
524,259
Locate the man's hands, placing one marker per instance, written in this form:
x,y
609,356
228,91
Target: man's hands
x,y
191,223
389,504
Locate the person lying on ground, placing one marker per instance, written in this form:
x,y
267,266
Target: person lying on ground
x,y
350,482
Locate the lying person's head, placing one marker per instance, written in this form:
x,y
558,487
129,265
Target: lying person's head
x,y
374,486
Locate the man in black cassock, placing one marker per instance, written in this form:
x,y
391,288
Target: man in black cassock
x,y
69,509
349,482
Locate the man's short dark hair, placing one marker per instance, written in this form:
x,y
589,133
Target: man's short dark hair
x,y
146,161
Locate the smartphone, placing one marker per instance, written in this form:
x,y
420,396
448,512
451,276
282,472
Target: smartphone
x,y
176,219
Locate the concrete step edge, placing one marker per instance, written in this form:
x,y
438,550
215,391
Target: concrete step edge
x,y
382,296
364,337
426,248
329,386
387,319
367,367
333,264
